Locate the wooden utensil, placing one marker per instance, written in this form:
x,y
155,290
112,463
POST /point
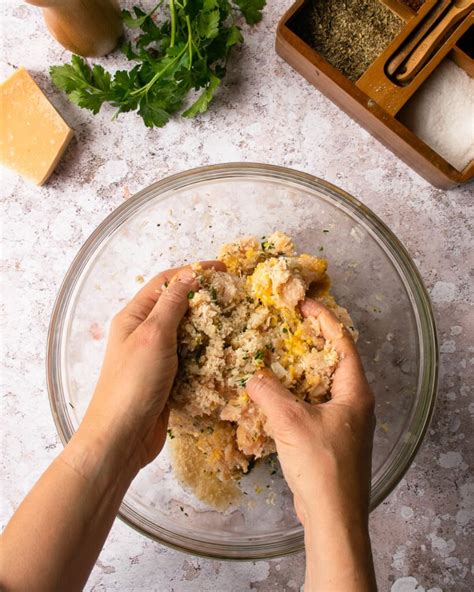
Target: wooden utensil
x,y
374,100
85,27
406,49
389,93
433,40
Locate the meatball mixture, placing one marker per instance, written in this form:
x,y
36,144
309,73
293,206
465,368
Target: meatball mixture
x,y
239,321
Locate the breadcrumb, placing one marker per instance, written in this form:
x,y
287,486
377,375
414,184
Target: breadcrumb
x,y
239,321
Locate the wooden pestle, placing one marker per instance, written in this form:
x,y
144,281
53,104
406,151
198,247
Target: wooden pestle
x,y
86,27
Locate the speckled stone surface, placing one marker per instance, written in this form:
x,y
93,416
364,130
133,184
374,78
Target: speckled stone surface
x,y
265,112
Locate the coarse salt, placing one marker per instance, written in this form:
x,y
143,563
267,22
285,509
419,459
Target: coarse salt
x,y
441,113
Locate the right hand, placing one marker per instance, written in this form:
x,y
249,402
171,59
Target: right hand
x,y
325,453
324,450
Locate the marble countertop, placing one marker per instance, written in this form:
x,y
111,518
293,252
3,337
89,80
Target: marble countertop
x,y
265,112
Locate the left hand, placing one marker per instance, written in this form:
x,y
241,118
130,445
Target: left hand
x,y
129,403
55,536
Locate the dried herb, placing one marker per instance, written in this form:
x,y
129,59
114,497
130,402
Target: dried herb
x,y
414,4
349,34
266,245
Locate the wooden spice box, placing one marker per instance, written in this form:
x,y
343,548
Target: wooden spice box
x,y
374,100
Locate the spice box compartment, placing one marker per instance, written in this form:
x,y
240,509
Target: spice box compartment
x,y
370,97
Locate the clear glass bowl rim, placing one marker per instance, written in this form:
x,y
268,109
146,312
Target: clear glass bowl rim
x,y
294,542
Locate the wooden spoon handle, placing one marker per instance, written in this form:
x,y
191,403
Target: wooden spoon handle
x,y
432,41
404,51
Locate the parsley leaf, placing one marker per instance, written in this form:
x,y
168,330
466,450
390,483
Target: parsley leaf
x,y
183,51
87,87
86,99
251,9
140,16
208,21
101,78
153,114
201,105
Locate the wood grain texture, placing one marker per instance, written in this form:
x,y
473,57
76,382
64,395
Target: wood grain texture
x,y
356,101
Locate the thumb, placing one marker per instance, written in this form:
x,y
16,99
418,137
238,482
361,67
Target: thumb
x,y
173,302
267,392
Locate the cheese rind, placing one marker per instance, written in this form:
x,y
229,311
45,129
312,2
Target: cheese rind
x,y
33,136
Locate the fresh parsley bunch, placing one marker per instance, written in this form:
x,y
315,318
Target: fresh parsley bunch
x,y
174,56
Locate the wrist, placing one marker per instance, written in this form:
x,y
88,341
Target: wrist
x,y
101,456
339,558
334,499
338,552
116,429
334,490
324,509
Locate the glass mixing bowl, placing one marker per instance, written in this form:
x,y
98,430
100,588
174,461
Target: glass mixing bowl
x,y
185,218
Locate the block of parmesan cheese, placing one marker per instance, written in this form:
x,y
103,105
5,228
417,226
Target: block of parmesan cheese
x,y
33,135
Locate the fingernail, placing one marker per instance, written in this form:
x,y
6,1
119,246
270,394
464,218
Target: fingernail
x,y
263,373
186,275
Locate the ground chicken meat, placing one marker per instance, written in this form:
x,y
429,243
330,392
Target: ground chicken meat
x,y
239,321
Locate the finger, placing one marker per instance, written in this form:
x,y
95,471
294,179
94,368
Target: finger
x,y
268,393
141,305
173,303
332,329
143,302
285,413
213,264
349,379
165,415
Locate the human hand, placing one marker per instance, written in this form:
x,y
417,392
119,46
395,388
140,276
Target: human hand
x,y
140,364
325,453
55,536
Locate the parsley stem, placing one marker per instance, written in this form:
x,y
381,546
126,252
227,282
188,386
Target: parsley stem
x,y
190,37
90,86
196,48
173,23
144,89
190,42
